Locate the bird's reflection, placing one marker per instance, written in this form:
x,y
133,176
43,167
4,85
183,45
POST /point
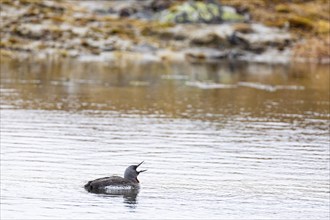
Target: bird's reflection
x,y
130,199
129,196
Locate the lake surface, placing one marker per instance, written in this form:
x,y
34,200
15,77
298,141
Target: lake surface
x,y
219,140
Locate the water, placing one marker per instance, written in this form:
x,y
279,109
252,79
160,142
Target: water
x,y
220,141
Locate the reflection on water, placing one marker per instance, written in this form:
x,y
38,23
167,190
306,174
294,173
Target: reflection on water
x,y
219,140
129,199
172,89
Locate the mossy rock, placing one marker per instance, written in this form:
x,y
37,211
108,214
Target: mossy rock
x,y
199,12
282,8
301,22
231,16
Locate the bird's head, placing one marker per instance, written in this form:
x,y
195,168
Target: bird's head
x,y
131,173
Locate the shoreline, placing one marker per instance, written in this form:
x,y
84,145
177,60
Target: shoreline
x,y
47,28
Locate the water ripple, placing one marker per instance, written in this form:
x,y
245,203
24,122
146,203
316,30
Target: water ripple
x,y
249,165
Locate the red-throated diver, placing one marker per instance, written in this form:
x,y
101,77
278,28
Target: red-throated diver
x,y
116,183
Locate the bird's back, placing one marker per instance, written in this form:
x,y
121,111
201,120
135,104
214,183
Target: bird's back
x,y
108,184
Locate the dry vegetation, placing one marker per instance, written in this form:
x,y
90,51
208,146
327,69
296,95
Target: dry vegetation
x,y
307,20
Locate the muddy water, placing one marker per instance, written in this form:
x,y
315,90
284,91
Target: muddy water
x,y
225,140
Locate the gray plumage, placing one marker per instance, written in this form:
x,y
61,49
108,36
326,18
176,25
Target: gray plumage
x,y
116,183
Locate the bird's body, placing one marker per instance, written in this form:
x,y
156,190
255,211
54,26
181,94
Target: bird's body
x,y
112,183
116,184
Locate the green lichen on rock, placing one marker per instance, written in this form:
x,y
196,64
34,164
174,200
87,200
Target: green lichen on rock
x,y
199,12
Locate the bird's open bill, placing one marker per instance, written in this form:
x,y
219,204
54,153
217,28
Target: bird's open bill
x,y
138,166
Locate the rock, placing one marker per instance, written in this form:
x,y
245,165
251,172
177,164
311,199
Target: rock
x,y
205,54
207,38
160,5
126,12
176,33
229,14
60,28
244,28
301,22
216,36
170,55
199,12
144,48
263,37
